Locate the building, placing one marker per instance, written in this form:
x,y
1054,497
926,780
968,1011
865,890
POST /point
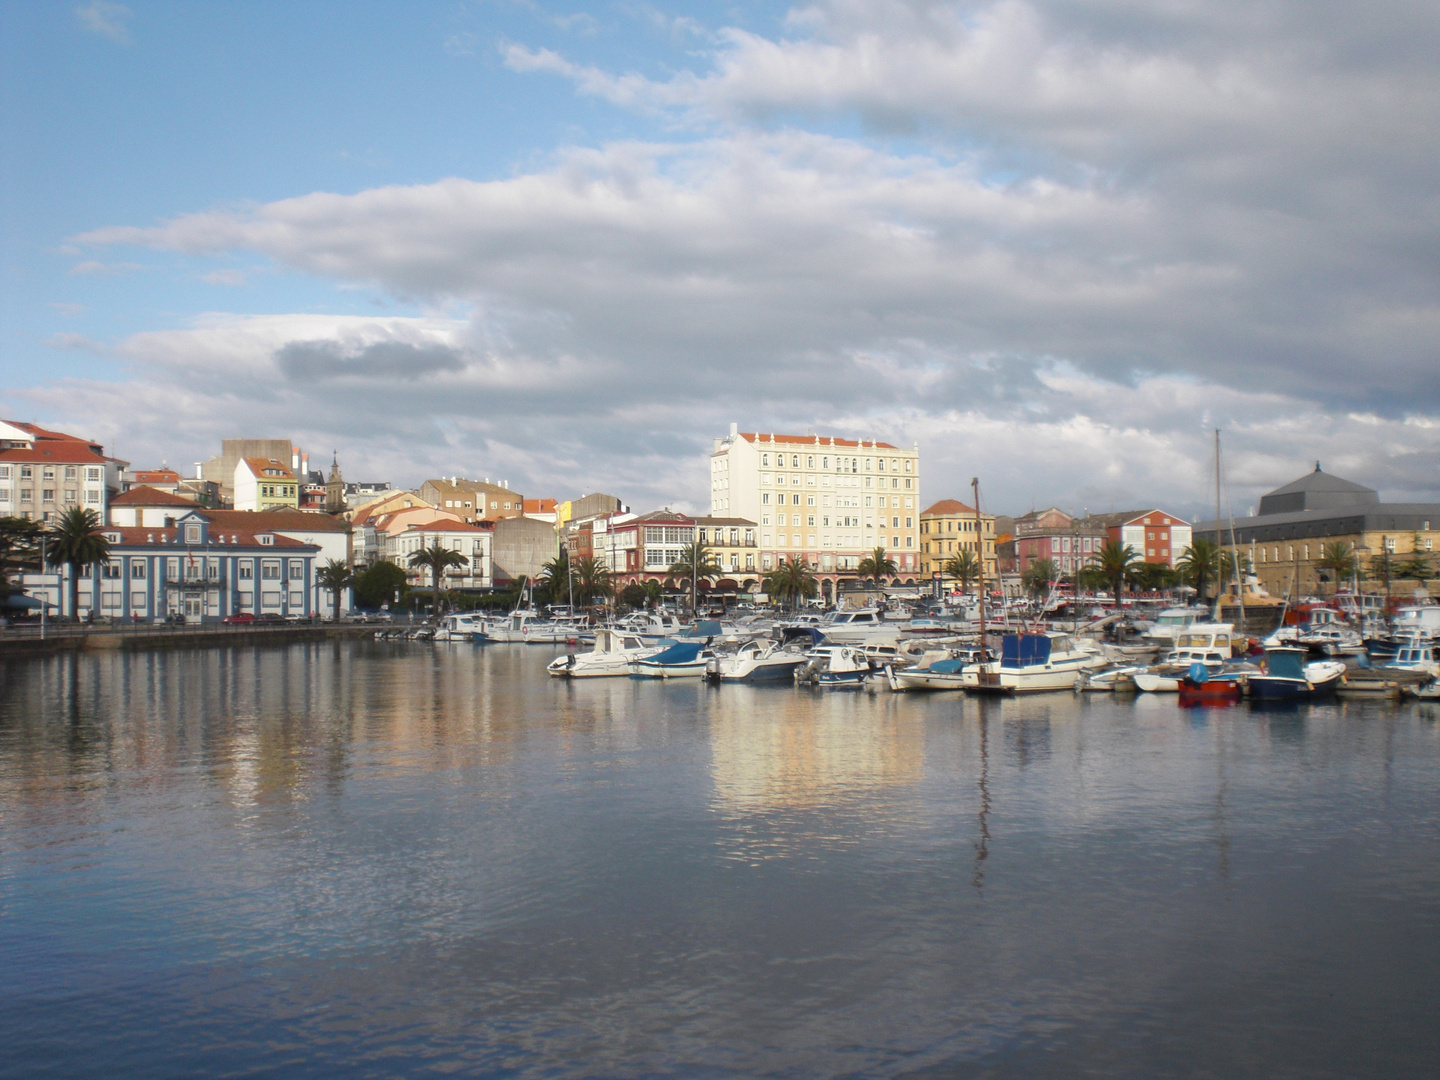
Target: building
x,y
540,509
1284,542
150,507
734,544
220,470
45,473
194,568
1157,536
1066,541
262,483
949,527
473,500
644,547
826,501
521,547
471,541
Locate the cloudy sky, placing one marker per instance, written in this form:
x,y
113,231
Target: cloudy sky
x,y
1055,244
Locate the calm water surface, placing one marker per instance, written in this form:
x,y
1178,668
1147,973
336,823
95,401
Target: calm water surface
x,y
384,860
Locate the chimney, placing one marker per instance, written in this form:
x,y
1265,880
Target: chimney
x,y
734,430
199,470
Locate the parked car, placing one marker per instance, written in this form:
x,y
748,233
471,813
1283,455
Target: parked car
x,y
175,618
270,617
240,618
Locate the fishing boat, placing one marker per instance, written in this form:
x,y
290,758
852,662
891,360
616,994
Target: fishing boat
x,y
1200,686
1288,678
845,667
1211,644
683,660
1031,663
612,656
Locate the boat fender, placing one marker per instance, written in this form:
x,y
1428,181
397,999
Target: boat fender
x,y
1198,674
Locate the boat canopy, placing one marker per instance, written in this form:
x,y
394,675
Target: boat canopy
x,y
1023,650
683,652
807,634
1285,663
704,628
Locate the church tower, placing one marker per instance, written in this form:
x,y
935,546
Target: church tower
x,y
334,487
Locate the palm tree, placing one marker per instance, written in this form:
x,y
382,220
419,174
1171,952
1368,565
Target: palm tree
x,y
336,577
964,567
1339,559
876,566
791,582
694,566
1199,564
1114,560
1037,579
438,559
592,579
555,577
75,539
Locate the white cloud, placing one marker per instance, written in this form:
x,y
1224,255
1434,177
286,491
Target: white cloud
x,y
225,277
93,267
106,19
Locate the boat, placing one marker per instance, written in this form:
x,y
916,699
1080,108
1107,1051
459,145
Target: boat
x,y
1031,663
1114,680
1202,687
1288,678
864,626
1172,622
682,660
937,669
614,652
761,661
845,667
1211,644
528,628
460,626
651,627
1332,640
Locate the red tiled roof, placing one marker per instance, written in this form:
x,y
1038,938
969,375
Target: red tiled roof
x,y
814,440
449,526
64,451
286,517
140,495
151,476
539,506
259,465
946,507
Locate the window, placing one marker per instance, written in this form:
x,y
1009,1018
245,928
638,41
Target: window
x,y
70,495
192,534
750,536
92,496
26,472
92,474
247,570
811,522
265,540
47,495
111,571
765,498
4,472
764,459
297,599
909,523
270,571
270,599
882,464
137,570
749,561
48,473
69,472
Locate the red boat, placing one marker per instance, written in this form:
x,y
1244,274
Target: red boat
x,y
1199,687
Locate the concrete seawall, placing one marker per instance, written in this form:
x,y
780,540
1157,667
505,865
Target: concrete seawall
x,y
69,639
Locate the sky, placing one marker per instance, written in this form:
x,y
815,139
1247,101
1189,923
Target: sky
x,y
1056,245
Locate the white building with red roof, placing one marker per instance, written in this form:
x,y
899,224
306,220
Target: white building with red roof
x,y
826,501
45,473
261,483
472,542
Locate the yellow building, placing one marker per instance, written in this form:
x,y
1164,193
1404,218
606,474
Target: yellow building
x,y
265,483
947,528
733,544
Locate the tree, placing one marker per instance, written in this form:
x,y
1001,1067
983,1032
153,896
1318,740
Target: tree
x,y
1417,567
591,579
654,591
1152,576
336,577
437,559
791,582
1114,560
378,583
877,566
693,567
1036,580
964,567
77,540
1199,565
1338,558
555,579
633,595
19,548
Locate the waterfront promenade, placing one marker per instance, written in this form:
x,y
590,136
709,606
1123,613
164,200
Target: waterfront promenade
x,y
59,637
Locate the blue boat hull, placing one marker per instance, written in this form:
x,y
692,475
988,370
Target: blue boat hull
x,y
1268,688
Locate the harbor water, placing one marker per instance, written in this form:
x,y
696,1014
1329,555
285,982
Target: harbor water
x,y
376,859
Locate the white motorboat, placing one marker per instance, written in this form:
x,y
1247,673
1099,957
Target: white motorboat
x,y
1211,644
613,654
1114,680
845,667
937,669
460,626
1172,622
1030,663
1333,640
865,626
651,627
757,661
529,628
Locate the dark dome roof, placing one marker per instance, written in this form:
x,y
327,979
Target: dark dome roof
x,y
1317,491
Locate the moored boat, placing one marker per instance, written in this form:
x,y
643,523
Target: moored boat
x,y
1288,678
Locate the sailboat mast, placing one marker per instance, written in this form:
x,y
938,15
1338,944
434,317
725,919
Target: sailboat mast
x,y
980,562
1219,536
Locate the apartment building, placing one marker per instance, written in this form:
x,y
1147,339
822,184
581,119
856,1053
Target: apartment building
x,y
45,473
473,500
824,500
263,483
949,527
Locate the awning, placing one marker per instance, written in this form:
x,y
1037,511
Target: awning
x,y
19,600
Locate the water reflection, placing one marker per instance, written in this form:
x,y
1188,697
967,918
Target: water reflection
x,y
366,857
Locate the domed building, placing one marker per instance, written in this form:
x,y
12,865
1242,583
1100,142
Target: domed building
x,y
1284,541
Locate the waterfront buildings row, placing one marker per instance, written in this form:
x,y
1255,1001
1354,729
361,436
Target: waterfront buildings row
x,y
824,501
